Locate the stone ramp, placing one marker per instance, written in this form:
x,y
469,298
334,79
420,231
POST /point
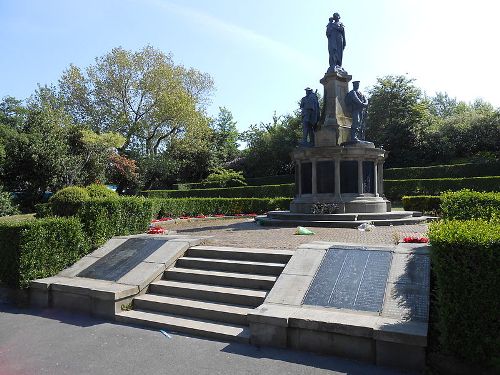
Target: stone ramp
x,y
209,292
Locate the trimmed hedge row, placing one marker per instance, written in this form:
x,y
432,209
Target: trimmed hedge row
x,y
444,171
423,203
395,189
254,181
105,218
466,205
466,262
265,191
39,248
177,207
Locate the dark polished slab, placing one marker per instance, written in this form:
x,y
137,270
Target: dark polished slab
x,y
122,259
351,279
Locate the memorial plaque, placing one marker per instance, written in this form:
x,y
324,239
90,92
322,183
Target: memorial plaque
x,y
351,279
325,175
122,259
368,177
306,178
349,176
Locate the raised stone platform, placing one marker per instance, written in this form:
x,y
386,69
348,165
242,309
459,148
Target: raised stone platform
x,y
349,220
364,303
102,282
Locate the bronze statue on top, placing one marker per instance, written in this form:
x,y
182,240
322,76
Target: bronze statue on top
x,y
335,33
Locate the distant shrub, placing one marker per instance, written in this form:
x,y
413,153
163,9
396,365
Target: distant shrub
x,y
465,259
429,204
467,204
67,201
39,248
226,177
43,210
7,205
271,180
100,191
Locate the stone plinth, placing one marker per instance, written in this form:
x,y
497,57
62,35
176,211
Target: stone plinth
x,y
347,178
335,122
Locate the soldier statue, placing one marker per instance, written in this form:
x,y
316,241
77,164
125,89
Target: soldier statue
x,y
356,104
309,106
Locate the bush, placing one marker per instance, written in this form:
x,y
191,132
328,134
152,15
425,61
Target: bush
x,y
212,206
444,171
67,201
39,248
424,203
395,189
105,218
43,210
226,178
7,205
100,191
465,258
467,204
265,191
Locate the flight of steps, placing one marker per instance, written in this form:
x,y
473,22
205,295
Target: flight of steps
x,y
209,292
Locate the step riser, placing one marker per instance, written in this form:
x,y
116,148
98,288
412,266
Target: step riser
x,y
234,255
230,267
205,295
218,316
182,329
219,280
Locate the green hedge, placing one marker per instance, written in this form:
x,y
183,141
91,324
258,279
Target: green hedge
x,y
265,191
105,218
466,204
177,207
395,189
465,258
271,180
444,171
39,248
423,203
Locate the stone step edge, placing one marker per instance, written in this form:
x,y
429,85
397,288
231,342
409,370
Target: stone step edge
x,y
235,275
210,288
243,249
230,261
196,304
199,327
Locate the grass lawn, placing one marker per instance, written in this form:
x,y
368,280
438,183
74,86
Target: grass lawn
x,y
17,218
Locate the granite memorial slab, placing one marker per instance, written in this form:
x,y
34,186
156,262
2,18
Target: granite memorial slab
x,y
122,259
351,279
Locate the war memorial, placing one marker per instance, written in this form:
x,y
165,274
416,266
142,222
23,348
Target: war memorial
x,y
368,303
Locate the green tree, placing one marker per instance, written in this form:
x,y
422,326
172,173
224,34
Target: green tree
x,y
269,146
397,116
225,138
141,95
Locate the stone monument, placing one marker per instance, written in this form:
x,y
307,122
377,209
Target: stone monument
x,y
337,172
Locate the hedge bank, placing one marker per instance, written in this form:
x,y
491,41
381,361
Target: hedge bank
x,y
396,189
39,248
465,258
444,171
424,203
264,191
177,207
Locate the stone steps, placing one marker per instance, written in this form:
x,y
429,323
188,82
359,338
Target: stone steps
x,y
266,221
209,292
197,327
229,265
232,279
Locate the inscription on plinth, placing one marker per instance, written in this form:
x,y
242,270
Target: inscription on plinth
x,y
123,259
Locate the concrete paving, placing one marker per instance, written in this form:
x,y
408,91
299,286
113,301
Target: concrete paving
x,y
34,341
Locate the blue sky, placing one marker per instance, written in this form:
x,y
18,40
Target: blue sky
x,y
261,54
